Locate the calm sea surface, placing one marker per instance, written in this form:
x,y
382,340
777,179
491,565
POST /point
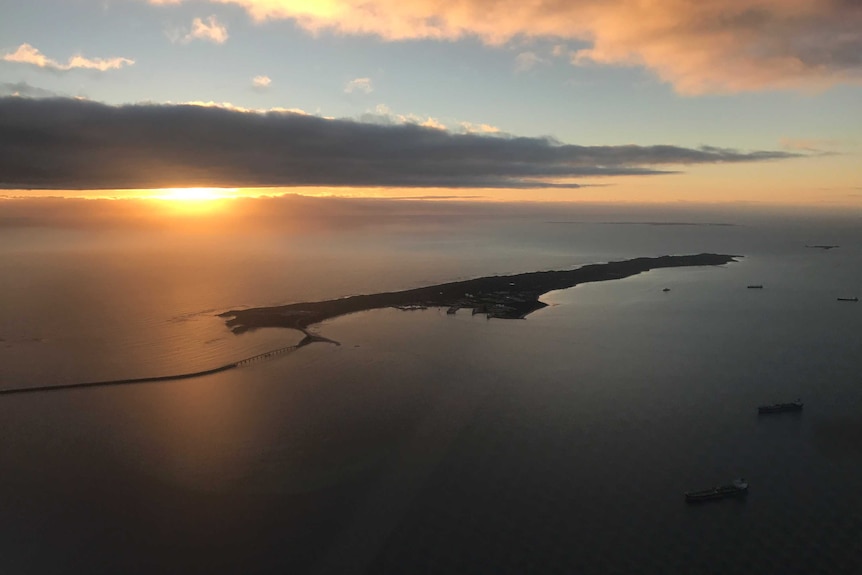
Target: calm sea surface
x,y
430,443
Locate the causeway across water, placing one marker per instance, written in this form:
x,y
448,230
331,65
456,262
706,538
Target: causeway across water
x,y
309,338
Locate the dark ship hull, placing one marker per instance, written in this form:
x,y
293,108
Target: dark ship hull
x,y
780,407
736,489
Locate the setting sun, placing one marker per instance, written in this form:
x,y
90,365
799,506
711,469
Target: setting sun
x,y
195,194
193,201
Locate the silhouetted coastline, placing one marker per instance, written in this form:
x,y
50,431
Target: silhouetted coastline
x,y
505,297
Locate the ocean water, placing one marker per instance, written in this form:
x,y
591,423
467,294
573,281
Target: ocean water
x,y
425,442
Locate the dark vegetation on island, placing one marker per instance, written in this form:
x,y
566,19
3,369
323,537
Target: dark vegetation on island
x,y
505,297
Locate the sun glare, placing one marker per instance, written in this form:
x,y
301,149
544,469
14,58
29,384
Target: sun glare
x,y
195,194
195,202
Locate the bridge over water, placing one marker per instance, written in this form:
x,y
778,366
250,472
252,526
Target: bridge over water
x,y
309,338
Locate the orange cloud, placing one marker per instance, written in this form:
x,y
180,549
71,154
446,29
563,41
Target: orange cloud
x,y
211,30
699,46
27,54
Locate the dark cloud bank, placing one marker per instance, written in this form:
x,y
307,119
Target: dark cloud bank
x,y
25,89
61,143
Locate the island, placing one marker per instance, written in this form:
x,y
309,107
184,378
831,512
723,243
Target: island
x,y
505,297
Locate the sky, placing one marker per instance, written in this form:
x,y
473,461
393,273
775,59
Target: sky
x,y
723,101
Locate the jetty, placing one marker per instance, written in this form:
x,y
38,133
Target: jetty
x,y
308,339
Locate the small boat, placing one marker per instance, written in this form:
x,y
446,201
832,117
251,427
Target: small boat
x,y
848,299
735,489
757,286
779,407
666,289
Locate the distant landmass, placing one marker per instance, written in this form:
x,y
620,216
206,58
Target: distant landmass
x,y
505,297
626,223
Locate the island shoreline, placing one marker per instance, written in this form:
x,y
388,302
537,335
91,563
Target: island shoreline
x,y
505,297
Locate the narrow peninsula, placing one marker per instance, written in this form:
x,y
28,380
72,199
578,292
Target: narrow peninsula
x,y
505,297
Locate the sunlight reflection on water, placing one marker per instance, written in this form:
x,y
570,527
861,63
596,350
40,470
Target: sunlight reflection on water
x,y
426,441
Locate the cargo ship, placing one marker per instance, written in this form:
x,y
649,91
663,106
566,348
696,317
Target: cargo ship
x,y
735,489
779,407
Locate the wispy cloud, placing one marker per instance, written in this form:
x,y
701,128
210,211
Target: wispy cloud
x,y
261,82
810,144
526,61
209,30
27,54
486,129
363,85
702,46
234,108
383,116
559,50
49,143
